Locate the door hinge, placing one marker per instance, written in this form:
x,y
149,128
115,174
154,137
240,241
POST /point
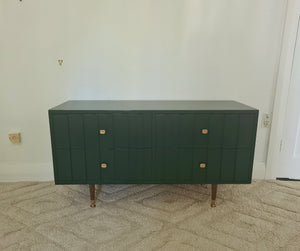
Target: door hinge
x,y
280,147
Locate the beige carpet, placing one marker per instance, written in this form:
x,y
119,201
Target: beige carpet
x,y
42,216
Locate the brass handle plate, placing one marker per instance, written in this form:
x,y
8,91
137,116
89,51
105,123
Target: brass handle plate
x,y
103,165
204,131
202,165
102,131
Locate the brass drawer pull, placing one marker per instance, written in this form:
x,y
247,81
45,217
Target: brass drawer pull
x,y
102,131
103,165
202,165
204,131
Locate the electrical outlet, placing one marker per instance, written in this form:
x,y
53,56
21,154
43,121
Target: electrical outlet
x,y
266,120
14,137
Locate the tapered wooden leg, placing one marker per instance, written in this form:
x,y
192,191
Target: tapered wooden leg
x,y
92,195
213,195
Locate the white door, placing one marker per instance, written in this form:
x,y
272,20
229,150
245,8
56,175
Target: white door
x,y
290,151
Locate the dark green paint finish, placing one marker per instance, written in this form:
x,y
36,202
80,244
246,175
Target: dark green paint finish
x,y
78,165
107,157
228,164
61,136
199,157
105,122
201,122
148,146
152,105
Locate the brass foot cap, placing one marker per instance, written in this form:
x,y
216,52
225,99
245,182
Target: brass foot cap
x,y
93,204
213,203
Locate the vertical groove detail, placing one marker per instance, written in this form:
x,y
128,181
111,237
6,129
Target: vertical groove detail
x,y
70,148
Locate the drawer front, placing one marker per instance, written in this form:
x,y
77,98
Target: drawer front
x,y
188,130
126,166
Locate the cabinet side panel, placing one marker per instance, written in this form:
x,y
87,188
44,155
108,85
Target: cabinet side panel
x,y
255,119
52,134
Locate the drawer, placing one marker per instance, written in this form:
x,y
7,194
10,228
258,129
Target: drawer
x,y
125,165
188,130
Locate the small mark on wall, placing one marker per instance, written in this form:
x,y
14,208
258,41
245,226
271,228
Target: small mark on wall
x,y
60,61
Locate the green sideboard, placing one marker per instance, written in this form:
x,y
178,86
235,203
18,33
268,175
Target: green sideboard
x,y
153,142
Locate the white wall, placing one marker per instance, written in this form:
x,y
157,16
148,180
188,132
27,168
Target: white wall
x,y
136,49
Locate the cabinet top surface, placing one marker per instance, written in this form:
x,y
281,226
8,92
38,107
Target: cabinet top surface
x,y
151,105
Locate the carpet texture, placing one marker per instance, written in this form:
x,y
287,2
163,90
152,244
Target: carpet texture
x,y
41,216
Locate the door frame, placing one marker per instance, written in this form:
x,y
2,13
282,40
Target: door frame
x,y
291,31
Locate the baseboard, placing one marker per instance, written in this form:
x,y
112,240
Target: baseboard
x,y
259,170
14,172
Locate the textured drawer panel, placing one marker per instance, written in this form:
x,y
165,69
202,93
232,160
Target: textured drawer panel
x,y
63,165
214,162
78,165
216,130
244,161
165,164
186,124
246,130
228,165
132,130
76,131
61,131
91,132
166,130
231,130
